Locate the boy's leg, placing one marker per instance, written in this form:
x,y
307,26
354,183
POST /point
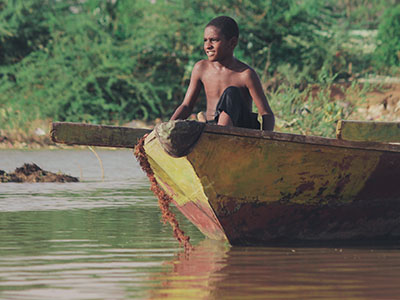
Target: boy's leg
x,y
229,109
224,119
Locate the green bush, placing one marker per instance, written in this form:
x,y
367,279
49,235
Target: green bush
x,y
22,29
85,71
113,61
362,14
387,53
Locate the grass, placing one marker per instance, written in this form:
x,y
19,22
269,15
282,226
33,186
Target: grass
x,y
316,109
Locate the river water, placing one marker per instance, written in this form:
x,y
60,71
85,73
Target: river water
x,y
102,238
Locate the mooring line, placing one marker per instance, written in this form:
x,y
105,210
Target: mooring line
x,y
164,200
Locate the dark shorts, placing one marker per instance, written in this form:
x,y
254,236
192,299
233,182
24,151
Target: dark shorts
x,y
231,102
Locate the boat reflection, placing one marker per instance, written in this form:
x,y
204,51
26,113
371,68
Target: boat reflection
x,y
194,275
215,270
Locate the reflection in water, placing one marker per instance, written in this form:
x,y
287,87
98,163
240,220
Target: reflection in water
x,y
193,275
216,271
104,240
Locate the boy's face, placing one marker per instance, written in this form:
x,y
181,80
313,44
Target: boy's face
x,y
216,46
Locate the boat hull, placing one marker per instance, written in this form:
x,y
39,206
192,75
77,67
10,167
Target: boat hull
x,y
252,187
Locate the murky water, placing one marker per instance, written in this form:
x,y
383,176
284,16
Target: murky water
x,y
104,240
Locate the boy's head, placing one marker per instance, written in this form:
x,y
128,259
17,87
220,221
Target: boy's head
x,y
227,26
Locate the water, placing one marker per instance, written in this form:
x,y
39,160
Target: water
x,y
104,240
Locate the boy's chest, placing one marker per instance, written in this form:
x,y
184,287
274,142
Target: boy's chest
x,y
215,85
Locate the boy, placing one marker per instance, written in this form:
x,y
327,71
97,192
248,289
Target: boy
x,y
229,84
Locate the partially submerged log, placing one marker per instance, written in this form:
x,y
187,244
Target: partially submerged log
x,y
33,173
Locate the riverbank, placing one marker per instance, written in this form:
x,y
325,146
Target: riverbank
x,y
380,103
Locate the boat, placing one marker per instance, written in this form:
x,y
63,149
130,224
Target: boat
x,y
254,187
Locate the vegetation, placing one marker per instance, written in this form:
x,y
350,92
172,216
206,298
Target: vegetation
x,y
387,53
313,111
112,61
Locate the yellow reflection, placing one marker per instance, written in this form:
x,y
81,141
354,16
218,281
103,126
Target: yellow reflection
x,y
192,275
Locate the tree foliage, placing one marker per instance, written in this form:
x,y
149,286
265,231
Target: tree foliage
x,y
388,50
118,60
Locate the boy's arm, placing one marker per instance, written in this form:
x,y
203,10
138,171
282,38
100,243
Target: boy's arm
x,y
254,86
185,109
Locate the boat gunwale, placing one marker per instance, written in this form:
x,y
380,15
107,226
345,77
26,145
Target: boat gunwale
x,y
301,139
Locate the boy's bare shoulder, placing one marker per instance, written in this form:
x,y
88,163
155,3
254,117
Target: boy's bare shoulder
x,y
201,65
200,68
246,68
246,71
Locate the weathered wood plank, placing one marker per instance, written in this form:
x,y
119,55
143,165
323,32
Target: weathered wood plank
x,y
126,137
96,135
303,139
387,132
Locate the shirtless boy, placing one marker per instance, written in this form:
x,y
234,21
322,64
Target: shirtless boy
x,y
229,84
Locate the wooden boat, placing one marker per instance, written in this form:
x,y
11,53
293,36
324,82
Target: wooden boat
x,y
254,187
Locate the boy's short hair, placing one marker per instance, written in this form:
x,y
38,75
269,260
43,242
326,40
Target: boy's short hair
x,y
227,25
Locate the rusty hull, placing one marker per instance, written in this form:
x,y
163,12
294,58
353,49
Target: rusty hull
x,y
253,187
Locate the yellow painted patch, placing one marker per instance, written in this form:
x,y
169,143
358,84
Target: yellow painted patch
x,y
261,170
177,173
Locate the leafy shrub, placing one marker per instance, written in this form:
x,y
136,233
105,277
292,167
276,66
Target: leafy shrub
x,y
388,50
21,29
83,72
362,14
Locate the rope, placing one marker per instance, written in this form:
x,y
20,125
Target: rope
x,y
164,200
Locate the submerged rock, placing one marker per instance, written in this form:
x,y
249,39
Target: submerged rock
x,y
33,173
